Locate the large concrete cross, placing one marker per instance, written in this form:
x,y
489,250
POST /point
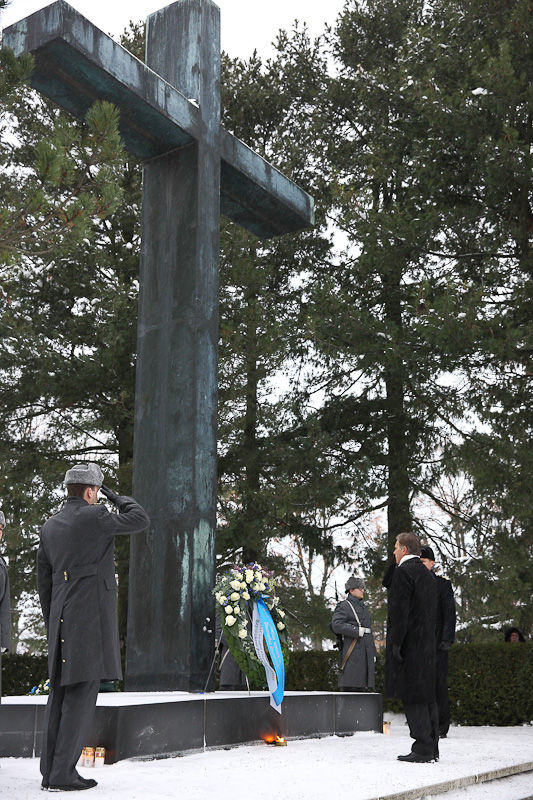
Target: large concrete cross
x,y
193,170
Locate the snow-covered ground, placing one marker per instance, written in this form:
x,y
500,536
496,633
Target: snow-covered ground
x,y
362,766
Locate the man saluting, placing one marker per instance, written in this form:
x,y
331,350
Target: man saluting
x,y
78,594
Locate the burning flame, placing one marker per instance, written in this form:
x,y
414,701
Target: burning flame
x,y
275,739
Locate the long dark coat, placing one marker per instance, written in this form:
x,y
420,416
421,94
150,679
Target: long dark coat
x,y
412,615
5,613
445,631
360,667
77,587
5,608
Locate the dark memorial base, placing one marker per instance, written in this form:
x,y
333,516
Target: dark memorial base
x,y
158,725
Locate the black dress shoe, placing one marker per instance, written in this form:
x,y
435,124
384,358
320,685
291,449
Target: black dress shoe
x,y
79,785
416,758
90,781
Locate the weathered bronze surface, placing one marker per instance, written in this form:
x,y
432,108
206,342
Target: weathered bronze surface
x,y
193,171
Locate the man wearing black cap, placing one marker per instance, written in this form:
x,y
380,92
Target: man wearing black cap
x,y
78,594
352,621
5,608
444,638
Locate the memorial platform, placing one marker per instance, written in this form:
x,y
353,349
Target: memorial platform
x,y
162,724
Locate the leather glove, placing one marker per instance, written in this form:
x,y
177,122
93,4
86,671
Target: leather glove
x,y
124,503
396,654
445,645
109,494
120,501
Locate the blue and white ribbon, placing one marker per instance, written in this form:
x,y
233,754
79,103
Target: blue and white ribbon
x,y
263,626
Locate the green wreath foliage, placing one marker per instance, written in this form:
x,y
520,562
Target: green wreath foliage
x,y
235,592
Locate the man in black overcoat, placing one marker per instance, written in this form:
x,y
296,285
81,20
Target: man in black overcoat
x,y
444,638
78,593
5,608
410,647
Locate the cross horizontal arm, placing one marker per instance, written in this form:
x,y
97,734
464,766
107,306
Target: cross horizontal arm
x,y
77,64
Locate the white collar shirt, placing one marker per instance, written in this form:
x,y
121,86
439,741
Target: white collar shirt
x,y
406,558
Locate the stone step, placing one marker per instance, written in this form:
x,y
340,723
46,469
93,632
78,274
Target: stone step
x,y
508,783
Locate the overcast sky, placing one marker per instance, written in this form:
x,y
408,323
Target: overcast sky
x,y
245,24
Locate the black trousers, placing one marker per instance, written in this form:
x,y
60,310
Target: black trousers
x,y
423,721
67,724
443,701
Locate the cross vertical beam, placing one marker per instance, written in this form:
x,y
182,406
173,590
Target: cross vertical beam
x,y
172,572
170,118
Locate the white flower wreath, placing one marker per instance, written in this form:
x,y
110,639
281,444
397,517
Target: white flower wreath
x,y
235,591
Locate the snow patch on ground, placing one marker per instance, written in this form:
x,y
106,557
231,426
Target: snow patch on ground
x,y
364,765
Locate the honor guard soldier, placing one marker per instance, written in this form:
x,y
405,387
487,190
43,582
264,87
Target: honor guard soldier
x,y
357,652
78,593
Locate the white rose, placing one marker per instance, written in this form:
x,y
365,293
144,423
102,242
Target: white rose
x,y
243,584
230,620
235,584
258,575
236,610
249,576
281,613
242,634
234,596
258,567
280,626
245,596
223,598
228,610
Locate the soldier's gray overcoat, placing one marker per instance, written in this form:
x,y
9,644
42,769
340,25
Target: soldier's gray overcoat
x,y
411,621
77,587
360,667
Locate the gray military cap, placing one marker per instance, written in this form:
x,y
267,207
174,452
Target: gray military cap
x,y
89,474
2,519
354,583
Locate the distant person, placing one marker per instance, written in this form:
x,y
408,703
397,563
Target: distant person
x,y
444,638
231,678
351,620
410,647
5,608
514,635
78,593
